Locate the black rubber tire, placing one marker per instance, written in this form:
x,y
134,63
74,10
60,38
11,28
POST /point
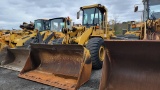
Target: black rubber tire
x,y
58,41
94,45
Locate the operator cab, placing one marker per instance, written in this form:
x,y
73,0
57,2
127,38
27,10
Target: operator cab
x,y
133,26
41,24
57,24
93,15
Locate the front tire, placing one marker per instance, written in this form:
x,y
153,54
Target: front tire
x,y
97,51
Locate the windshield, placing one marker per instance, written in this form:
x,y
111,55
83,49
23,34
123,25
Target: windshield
x,y
133,29
42,25
38,24
91,17
57,24
47,25
154,11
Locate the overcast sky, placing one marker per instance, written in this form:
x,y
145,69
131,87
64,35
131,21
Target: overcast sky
x,y
14,12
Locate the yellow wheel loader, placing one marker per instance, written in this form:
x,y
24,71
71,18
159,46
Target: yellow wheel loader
x,y
7,35
134,65
68,65
134,31
16,57
17,38
13,58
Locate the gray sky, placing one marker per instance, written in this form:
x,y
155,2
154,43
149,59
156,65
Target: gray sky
x,y
14,12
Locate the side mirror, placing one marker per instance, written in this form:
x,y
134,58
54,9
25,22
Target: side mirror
x,y
135,8
78,14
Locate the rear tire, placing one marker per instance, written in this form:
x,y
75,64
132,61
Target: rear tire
x,y
97,52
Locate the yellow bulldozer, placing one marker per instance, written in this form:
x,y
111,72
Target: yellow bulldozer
x,y
68,65
15,58
135,64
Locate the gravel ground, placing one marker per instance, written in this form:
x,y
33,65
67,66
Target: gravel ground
x,y
10,81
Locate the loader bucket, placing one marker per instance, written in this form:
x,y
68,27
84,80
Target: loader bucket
x,y
3,52
15,59
131,65
62,66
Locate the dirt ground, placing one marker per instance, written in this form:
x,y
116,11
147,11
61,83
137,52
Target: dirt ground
x,y
10,81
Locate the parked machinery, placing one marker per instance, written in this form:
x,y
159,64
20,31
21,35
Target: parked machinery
x,y
69,65
18,39
15,58
134,30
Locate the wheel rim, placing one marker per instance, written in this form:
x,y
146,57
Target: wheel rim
x,y
101,53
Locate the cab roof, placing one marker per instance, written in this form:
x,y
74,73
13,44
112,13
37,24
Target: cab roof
x,y
99,6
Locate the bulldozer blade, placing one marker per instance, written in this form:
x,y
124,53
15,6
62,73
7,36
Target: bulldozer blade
x,y
61,66
15,59
131,65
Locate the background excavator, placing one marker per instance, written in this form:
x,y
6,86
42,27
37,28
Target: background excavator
x,y
68,65
15,58
134,65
